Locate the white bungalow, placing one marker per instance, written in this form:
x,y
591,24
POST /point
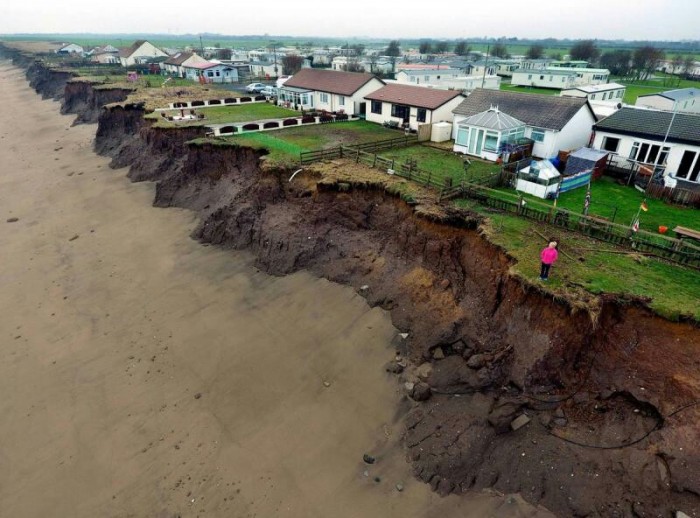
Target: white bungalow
x,y
330,90
410,106
656,140
71,48
553,123
175,63
209,72
483,134
141,51
686,100
560,77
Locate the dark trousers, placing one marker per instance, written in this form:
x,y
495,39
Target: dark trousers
x,y
544,271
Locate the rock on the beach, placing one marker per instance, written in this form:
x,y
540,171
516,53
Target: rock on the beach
x,y
399,487
519,422
476,361
76,236
421,392
12,220
438,354
368,458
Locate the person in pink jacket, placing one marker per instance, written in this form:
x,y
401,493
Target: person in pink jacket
x,y
548,256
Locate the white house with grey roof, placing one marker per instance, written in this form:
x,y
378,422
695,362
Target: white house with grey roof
x,y
686,100
656,140
553,123
560,77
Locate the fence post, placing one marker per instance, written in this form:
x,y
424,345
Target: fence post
x,y
374,162
340,149
357,158
392,164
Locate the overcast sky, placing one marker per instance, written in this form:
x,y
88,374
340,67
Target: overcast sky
x,y
603,19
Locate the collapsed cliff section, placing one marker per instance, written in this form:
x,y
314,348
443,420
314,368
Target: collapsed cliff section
x,y
86,98
587,412
48,81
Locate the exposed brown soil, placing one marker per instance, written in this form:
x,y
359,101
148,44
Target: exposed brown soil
x,y
603,391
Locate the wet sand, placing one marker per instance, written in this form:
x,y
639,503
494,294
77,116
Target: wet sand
x,y
144,374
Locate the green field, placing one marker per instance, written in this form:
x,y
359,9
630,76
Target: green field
x,y
285,145
586,264
225,114
442,163
610,199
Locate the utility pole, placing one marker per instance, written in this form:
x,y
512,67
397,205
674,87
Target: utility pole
x,y
486,64
201,45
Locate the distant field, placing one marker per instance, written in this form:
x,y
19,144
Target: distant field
x,y
249,42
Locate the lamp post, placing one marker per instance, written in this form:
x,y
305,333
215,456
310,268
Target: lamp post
x,y
663,144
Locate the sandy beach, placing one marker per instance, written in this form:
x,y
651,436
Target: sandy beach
x,y
146,375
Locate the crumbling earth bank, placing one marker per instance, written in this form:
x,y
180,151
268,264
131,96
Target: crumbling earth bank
x,y
488,347
610,421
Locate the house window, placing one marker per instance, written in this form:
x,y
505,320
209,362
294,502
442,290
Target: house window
x,y
611,144
323,97
593,96
542,78
421,115
686,170
210,73
529,76
376,107
426,78
400,111
537,135
341,100
462,136
491,142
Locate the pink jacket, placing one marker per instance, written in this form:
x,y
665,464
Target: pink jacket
x,y
549,255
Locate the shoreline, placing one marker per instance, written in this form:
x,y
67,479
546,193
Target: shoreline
x,y
277,253
121,327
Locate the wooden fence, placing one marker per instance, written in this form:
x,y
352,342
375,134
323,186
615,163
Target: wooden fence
x,y
308,157
676,250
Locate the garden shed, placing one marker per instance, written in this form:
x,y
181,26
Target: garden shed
x,y
586,159
540,179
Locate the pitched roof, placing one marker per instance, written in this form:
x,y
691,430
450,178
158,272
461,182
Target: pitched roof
x,y
409,95
495,119
653,124
128,51
540,111
331,81
179,58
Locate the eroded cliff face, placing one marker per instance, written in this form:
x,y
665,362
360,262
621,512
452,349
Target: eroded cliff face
x,y
610,397
600,391
86,100
47,81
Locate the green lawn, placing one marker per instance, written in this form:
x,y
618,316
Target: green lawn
x,y
673,290
286,144
609,198
443,163
225,114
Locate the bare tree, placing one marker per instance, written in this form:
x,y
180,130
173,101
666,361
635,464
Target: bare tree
x,y
462,48
291,64
688,67
393,49
645,60
499,50
535,52
585,50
